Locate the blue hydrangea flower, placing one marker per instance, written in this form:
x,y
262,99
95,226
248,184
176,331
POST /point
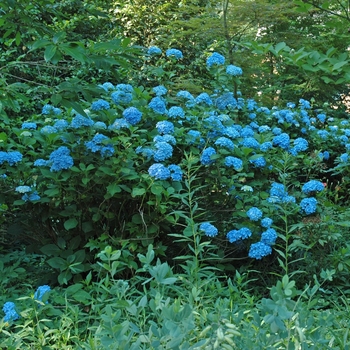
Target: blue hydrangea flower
x,y
234,70
215,60
232,132
258,162
269,236
160,90
325,155
250,142
225,142
165,138
118,124
107,86
308,205
100,125
159,171
175,172
158,105
99,105
344,157
9,310
237,235
323,134
321,117
125,88
264,128
204,98
234,162
247,131
41,162
40,292
281,140
291,105
132,115
304,104
61,159
259,250
29,125
163,151
312,186
165,127
206,156
264,147
154,50
23,189
225,101
300,144
254,214
61,124
146,152
185,94
277,131
266,222
175,112
174,52
251,104
12,157
209,229
48,129
47,109
278,194
31,197
121,97
78,121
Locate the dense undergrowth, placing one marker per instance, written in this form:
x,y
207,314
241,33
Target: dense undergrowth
x,y
136,214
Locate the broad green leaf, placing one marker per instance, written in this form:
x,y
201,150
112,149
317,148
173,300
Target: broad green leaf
x,y
49,52
70,223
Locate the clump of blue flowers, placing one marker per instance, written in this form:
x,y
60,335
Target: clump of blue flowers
x,y
174,53
61,159
313,186
254,214
40,292
215,59
308,205
209,229
132,115
11,314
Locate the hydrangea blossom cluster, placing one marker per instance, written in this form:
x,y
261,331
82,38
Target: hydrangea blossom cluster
x,y
154,50
215,59
312,186
132,115
206,156
234,70
254,214
278,194
308,205
49,109
12,157
209,229
259,250
100,105
29,125
158,105
40,292
165,127
174,53
61,159
234,162
79,121
161,172
237,235
100,143
10,312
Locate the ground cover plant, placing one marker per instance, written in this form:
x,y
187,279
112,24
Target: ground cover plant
x,y
139,215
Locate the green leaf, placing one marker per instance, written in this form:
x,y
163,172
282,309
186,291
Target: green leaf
x,y
156,189
112,189
49,52
75,51
70,223
57,263
136,191
50,249
73,105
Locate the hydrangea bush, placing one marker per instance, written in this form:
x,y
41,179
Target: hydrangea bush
x,y
119,168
